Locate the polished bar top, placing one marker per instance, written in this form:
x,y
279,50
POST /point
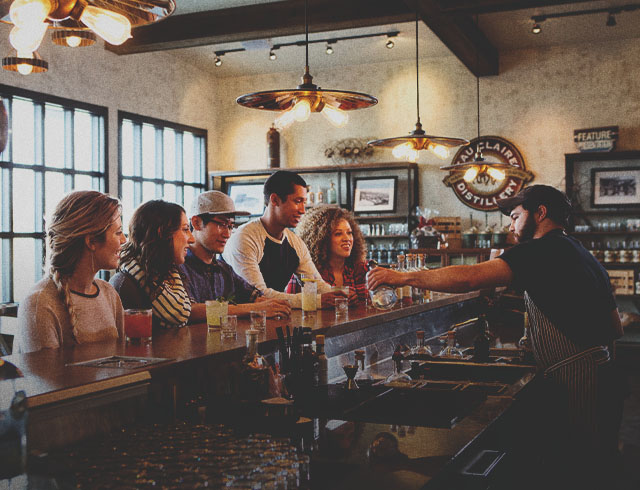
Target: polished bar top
x,y
48,377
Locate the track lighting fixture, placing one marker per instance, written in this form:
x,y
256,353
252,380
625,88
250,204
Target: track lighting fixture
x,y
611,20
329,49
218,61
611,17
536,29
272,55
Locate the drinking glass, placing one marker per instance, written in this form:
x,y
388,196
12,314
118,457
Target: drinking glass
x,y
258,320
229,326
342,308
309,292
215,309
137,325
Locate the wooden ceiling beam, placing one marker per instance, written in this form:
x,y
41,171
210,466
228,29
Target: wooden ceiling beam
x,y
461,35
262,21
492,6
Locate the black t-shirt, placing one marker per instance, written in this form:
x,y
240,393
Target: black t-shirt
x,y
567,283
279,261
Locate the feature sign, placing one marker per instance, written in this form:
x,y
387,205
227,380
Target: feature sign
x,y
596,139
484,191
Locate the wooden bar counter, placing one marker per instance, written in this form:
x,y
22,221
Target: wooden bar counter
x,y
95,399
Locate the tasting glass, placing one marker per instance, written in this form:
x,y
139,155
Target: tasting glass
x,y
229,326
258,320
342,308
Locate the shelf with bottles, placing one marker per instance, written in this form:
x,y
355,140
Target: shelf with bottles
x,y
398,237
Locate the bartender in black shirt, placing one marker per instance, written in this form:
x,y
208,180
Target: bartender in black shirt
x,y
573,317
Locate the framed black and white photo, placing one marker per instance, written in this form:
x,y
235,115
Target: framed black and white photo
x,y
375,194
247,196
615,187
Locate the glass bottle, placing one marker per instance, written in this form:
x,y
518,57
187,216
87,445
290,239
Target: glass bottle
x,y
524,344
398,376
482,341
412,266
421,349
310,366
323,362
332,195
363,378
319,197
422,266
254,370
407,299
383,297
450,350
311,196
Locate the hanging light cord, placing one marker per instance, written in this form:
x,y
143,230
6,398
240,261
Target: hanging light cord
x,y
417,73
306,34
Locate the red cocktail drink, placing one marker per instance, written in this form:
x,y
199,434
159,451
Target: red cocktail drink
x,y
137,325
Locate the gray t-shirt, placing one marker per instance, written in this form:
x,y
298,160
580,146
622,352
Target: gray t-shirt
x,y
44,322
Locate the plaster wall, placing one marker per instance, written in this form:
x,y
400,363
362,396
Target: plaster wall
x,y
536,102
163,85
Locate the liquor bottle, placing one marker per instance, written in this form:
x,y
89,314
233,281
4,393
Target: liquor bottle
x,y
254,370
319,197
323,362
524,344
407,299
332,195
421,348
310,365
417,294
398,376
422,266
383,297
363,378
311,196
482,341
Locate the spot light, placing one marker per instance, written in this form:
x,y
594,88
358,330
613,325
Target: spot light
x,y
536,29
611,20
390,44
329,49
217,61
272,55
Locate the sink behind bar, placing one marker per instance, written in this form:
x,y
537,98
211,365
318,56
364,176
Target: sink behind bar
x,y
469,371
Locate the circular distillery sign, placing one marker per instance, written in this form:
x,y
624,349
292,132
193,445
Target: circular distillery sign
x,y
484,191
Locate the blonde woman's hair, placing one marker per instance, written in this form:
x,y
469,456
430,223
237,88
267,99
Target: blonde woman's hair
x,y
78,215
317,225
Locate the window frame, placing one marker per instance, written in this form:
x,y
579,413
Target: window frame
x,y
159,125
7,167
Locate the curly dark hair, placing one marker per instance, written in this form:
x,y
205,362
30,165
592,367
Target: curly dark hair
x,y
151,238
317,225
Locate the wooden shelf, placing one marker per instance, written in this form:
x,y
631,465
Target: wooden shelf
x,y
374,217
617,232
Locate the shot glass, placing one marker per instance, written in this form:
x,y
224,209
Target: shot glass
x,y
137,325
258,320
215,309
228,326
342,308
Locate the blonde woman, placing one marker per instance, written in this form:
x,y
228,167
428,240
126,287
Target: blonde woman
x,y
70,305
337,248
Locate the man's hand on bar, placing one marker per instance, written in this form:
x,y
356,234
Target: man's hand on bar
x,y
274,307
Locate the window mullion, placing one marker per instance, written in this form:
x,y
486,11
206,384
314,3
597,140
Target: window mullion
x,y
68,148
159,160
137,163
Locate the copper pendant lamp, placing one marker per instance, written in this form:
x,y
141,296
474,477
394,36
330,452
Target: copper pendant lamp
x,y
407,147
298,104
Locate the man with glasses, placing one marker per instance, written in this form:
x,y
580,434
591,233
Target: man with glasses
x,y
205,278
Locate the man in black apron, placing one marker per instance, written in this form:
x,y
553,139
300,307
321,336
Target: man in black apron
x,y
573,317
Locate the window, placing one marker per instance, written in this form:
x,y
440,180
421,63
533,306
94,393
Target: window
x,y
55,146
159,160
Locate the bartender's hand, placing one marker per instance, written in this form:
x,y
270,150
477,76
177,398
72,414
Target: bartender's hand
x,y
274,307
379,276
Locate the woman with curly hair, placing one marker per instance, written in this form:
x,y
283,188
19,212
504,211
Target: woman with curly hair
x,y
70,305
148,277
337,248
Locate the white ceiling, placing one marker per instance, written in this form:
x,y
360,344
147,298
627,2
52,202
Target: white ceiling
x,y
506,30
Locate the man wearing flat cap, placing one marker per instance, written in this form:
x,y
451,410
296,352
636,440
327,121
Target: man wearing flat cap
x,y
572,312
205,277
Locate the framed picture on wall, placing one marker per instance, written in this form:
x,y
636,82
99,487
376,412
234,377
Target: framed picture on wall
x,y
615,187
375,194
247,196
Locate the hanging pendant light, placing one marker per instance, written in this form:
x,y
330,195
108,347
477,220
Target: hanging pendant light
x,y
407,147
298,104
479,165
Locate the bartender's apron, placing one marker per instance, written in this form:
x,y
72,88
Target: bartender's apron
x,y
572,369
